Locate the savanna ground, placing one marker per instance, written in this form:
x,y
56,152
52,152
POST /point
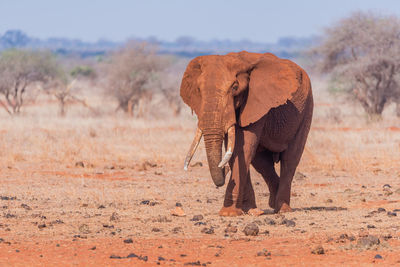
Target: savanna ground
x,y
91,190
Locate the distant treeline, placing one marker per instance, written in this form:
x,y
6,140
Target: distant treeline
x,y
287,47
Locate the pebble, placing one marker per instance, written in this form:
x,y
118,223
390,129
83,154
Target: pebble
x,y
251,229
319,250
381,210
391,214
208,231
178,211
288,223
128,241
132,255
197,218
377,256
269,221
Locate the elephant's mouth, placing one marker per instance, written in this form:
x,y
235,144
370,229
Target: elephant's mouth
x,y
216,169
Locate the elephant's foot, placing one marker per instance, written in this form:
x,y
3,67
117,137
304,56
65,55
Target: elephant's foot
x,y
271,201
255,212
284,208
230,211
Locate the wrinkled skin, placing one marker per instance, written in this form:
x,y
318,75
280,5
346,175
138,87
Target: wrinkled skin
x,y
268,102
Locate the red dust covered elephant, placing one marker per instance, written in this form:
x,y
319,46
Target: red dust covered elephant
x,y
261,107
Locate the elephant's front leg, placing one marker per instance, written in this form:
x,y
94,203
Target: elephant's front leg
x,y
239,192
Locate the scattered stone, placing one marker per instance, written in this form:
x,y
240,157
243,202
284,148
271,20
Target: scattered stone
x,y
387,186
58,221
161,258
197,218
41,226
387,237
156,230
379,257
329,200
178,204
93,248
183,255
128,241
194,263
79,164
132,255
108,226
101,207
368,241
200,223
9,216
25,206
318,250
178,211
84,228
288,223
145,202
396,210
370,226
251,229
115,257
381,210
231,229
269,221
208,231
7,198
391,214
177,230
143,258
114,217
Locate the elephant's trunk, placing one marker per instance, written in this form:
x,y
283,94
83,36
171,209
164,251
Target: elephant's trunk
x,y
213,143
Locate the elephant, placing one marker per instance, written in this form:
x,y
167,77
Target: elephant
x,y
260,106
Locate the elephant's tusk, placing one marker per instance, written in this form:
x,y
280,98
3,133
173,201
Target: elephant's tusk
x,y
230,146
193,148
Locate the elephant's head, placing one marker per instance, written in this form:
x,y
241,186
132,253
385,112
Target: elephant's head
x,y
237,88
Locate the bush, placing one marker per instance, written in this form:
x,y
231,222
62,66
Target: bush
x,y
362,52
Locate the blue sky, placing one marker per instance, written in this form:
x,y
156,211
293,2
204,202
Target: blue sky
x,y
118,20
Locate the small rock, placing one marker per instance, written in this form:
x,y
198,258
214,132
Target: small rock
x,y
115,257
178,211
101,207
200,223
178,204
161,258
128,241
197,218
161,219
93,248
269,221
25,206
156,230
387,186
381,210
329,200
208,231
41,226
145,202
391,214
177,230
288,223
318,250
143,258
299,176
132,255
377,256
251,229
79,164
370,226
114,217
231,229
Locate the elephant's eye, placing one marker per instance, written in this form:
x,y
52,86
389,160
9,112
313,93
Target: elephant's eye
x,y
235,86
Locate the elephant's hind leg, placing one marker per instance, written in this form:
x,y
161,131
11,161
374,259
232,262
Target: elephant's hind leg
x,y
263,163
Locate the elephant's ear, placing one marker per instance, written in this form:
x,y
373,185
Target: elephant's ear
x,y
272,83
189,87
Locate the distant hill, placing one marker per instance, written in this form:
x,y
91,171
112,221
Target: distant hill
x,y
287,47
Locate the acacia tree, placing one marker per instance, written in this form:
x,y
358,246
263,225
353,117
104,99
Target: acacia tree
x,y
18,70
363,54
131,68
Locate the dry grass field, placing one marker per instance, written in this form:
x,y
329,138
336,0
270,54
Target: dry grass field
x,y
99,190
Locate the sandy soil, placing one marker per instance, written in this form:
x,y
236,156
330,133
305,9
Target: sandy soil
x,y
100,191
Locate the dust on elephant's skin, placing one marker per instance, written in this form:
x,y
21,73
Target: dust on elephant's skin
x,y
260,107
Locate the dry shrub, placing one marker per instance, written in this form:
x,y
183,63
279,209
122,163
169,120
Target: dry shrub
x,y
362,52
